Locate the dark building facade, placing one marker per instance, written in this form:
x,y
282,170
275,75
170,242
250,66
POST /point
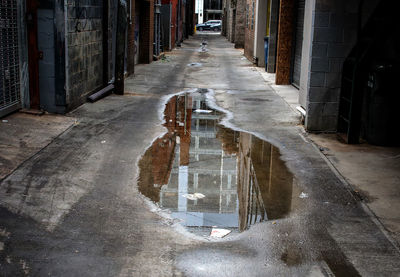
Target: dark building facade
x,y
54,54
327,50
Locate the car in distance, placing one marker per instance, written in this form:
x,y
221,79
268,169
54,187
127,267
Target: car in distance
x,y
214,25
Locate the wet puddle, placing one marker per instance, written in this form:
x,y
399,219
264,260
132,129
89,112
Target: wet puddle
x,y
207,175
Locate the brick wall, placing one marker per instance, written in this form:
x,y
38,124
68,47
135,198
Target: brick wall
x,y
146,31
240,23
85,58
250,25
230,25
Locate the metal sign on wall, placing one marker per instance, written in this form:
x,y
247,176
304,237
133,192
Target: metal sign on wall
x,y
10,97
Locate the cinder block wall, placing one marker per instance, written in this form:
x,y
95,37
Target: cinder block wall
x,y
334,33
85,58
250,29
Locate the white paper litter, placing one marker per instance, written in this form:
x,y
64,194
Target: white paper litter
x,y
4,120
219,233
199,195
189,196
303,195
103,141
202,111
194,196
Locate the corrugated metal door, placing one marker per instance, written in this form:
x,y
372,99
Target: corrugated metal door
x,y
10,98
298,43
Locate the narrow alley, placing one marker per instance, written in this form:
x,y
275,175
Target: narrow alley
x,y
126,188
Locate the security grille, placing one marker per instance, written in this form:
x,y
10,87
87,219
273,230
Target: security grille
x,y
10,97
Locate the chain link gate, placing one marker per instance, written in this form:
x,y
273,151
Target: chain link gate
x,y
10,97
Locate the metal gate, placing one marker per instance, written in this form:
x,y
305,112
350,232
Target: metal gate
x,y
298,43
10,97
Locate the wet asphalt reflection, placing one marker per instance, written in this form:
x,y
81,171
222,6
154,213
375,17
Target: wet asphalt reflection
x,y
207,175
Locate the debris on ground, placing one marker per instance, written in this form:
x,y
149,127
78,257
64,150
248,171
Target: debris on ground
x,y
219,233
303,195
194,196
194,64
202,111
198,195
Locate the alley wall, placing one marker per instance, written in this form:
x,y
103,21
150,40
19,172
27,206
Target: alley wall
x,y
85,59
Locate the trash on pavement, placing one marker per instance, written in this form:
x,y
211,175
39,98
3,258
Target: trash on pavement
x,y
103,141
194,196
303,195
4,120
219,233
202,111
199,195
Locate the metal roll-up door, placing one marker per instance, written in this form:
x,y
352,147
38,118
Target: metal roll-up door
x,y
10,98
298,43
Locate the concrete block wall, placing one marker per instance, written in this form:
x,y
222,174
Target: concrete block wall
x,y
85,58
333,36
250,29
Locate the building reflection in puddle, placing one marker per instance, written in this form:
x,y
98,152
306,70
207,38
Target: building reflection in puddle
x,y
241,177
